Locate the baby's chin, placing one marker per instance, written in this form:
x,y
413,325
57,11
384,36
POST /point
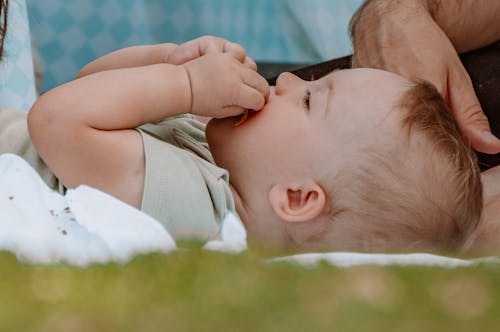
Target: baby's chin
x,y
215,128
233,121
219,129
216,133
224,124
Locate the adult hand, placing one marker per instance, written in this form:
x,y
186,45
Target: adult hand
x,y
221,86
405,39
206,45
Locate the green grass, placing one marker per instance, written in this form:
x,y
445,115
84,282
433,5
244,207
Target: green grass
x,y
202,291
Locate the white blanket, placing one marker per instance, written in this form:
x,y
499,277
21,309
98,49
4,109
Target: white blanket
x,y
85,226
88,226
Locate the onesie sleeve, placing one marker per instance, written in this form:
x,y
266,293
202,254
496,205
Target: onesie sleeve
x,y
183,188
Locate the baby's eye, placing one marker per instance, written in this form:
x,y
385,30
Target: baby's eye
x,y
307,99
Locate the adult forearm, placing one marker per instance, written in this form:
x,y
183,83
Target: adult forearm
x,y
135,56
469,24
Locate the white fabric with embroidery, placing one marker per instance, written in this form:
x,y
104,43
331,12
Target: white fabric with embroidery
x,y
88,226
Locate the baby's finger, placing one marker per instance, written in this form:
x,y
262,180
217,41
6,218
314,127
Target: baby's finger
x,y
250,63
185,52
249,98
195,48
256,81
235,50
210,44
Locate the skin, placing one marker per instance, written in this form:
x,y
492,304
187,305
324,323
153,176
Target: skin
x,y
486,239
420,39
281,159
144,55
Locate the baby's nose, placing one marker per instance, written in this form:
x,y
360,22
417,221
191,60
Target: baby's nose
x,y
286,81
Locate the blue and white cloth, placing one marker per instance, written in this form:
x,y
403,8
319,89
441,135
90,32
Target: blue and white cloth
x,y
70,34
17,82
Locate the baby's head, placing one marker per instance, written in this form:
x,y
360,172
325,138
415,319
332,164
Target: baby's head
x,y
360,160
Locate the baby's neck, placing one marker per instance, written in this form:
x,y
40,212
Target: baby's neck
x,y
239,204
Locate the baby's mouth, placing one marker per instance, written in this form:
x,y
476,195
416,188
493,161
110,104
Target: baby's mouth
x,y
244,117
241,118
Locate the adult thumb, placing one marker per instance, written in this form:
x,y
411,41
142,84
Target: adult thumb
x,y
476,129
469,114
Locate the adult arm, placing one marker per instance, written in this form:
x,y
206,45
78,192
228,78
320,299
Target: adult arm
x,y
469,24
420,38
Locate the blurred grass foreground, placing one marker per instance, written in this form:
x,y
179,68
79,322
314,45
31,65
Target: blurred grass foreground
x,y
197,290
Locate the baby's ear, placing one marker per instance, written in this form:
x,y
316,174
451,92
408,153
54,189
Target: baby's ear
x,y
297,203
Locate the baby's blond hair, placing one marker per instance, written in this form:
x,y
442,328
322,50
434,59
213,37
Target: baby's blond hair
x,y
427,196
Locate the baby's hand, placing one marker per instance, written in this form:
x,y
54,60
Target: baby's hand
x,y
221,86
198,47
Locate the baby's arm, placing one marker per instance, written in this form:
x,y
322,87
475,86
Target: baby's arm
x,y
84,130
137,56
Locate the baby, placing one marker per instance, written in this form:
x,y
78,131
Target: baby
x,y
360,160
485,240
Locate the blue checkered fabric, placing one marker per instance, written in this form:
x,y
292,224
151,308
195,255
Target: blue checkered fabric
x,y
17,82
69,34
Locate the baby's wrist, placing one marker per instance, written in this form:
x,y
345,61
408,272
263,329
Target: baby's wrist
x,y
166,50
189,87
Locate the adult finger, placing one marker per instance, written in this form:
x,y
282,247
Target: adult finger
x,y
469,114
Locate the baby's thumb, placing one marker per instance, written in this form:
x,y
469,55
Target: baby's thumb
x,y
230,111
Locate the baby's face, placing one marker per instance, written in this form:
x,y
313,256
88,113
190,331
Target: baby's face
x,y
304,123
306,132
